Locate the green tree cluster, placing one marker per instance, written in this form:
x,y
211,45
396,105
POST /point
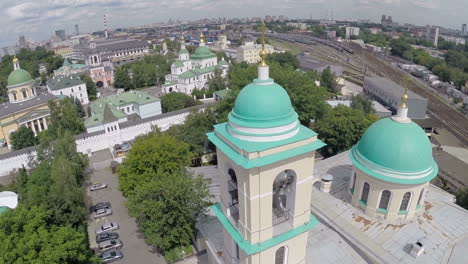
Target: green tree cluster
x,y
90,86
283,59
176,101
362,103
328,80
48,226
64,116
341,128
149,71
164,200
23,138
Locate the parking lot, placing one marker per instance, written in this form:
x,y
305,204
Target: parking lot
x,y
135,250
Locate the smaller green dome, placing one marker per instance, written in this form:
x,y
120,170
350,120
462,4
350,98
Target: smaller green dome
x,y
263,104
183,51
202,52
19,76
390,148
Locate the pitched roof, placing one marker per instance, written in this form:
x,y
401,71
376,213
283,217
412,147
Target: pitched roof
x,y
59,83
109,117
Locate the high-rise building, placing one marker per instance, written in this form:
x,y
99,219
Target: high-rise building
x,y
463,30
432,34
60,34
77,30
22,44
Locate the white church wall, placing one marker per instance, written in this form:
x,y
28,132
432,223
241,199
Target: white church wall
x,y
100,140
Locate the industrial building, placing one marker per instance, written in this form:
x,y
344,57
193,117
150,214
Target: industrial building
x,y
389,94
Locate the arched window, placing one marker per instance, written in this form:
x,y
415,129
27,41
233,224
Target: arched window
x,y
25,94
365,192
421,196
14,96
405,201
280,255
384,200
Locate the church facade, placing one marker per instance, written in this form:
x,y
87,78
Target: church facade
x,y
26,106
192,72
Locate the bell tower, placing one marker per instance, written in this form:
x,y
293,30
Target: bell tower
x,y
266,161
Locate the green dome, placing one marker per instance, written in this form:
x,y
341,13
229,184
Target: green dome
x,y
396,152
19,76
203,52
263,105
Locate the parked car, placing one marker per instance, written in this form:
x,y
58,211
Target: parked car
x,y
112,226
110,244
100,205
106,236
97,186
111,256
102,212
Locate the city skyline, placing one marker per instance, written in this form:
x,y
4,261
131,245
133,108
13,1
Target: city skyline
x,y
38,20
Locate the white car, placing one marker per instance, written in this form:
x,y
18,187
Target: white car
x,y
102,212
110,244
97,186
112,226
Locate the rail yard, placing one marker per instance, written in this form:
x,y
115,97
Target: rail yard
x,y
358,63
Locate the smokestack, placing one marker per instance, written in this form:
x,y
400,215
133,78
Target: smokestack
x,y
105,27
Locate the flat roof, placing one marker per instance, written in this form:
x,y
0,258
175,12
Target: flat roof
x,y
63,82
390,87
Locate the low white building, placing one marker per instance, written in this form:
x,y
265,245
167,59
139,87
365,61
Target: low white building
x,y
250,52
71,86
108,112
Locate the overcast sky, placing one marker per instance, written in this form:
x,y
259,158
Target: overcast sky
x,y
37,19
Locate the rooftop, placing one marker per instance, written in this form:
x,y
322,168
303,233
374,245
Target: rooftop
x,y
59,83
114,102
389,87
8,108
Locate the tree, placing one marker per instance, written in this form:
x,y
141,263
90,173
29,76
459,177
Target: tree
x,y
166,208
216,83
152,154
284,59
27,238
362,103
193,130
23,138
64,116
328,80
176,101
90,86
121,79
341,128
79,107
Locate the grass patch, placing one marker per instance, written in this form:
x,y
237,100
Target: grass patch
x,y
178,253
284,45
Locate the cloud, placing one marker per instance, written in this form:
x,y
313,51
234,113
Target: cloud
x,y
429,4
23,11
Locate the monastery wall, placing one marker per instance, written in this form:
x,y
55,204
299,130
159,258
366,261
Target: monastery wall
x,y
88,143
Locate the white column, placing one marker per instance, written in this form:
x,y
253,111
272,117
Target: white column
x,y
33,128
45,123
39,125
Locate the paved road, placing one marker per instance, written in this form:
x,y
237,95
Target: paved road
x,y
135,250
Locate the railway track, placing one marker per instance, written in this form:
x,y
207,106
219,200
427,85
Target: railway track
x,y
451,119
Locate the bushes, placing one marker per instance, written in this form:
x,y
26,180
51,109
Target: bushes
x,y
178,254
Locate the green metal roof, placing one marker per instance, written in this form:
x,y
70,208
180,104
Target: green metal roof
x,y
203,70
59,83
249,248
223,62
114,102
4,209
263,105
248,146
183,51
178,63
222,93
66,62
395,152
18,77
187,75
202,52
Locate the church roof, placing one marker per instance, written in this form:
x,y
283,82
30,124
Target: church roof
x,y
109,117
201,53
19,77
178,64
183,51
395,152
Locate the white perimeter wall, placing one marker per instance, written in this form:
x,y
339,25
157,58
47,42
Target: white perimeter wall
x,y
93,143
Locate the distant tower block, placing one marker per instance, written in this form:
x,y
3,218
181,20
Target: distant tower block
x,y
77,30
105,27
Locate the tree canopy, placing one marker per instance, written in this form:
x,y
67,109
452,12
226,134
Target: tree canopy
x,y
64,116
341,128
90,86
23,138
151,154
362,103
176,101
